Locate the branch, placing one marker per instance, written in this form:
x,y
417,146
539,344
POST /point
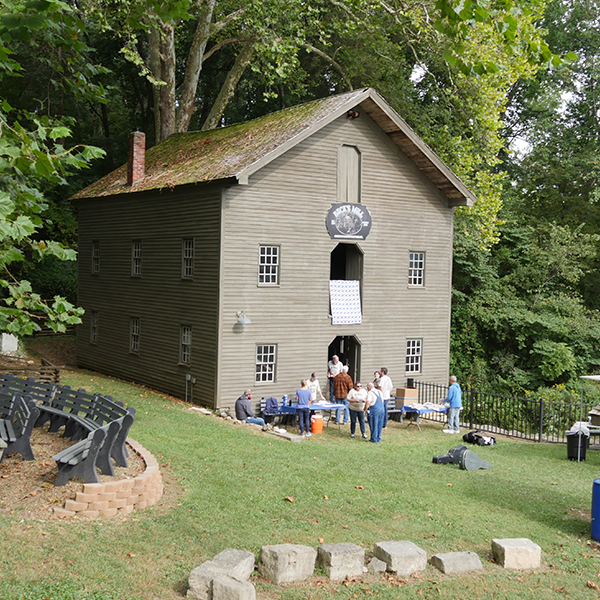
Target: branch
x,y
330,60
220,45
216,27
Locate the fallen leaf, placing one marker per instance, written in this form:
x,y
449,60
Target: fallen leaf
x,y
290,499
554,483
449,484
321,540
360,487
325,497
131,555
345,527
592,585
315,458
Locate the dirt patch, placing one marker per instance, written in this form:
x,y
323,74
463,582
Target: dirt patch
x,y
27,487
58,349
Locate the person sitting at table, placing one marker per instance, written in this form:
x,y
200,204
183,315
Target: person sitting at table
x,y
303,408
315,388
356,403
342,384
243,409
375,411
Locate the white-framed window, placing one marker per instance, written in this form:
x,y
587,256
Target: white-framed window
x,y
416,269
136,258
268,265
96,257
94,327
413,355
187,258
134,335
266,362
185,347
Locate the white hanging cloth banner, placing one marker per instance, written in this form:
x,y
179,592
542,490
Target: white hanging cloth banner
x,y
345,302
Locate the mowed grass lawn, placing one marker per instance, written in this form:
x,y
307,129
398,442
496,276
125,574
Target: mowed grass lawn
x,y
227,488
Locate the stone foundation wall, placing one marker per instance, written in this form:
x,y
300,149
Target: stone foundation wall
x,y
121,496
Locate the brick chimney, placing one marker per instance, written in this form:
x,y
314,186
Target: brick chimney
x,y
136,164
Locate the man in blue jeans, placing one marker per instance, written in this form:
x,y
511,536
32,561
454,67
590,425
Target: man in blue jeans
x,y
243,409
455,401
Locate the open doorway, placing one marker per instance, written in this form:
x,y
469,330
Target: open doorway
x,y
348,349
346,263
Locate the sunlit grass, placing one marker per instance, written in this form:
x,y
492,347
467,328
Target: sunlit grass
x,y
233,481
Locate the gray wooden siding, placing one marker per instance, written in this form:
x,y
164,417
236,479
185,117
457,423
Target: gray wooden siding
x,y
285,204
160,297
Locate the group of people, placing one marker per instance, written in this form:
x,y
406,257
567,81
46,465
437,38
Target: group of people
x,y
360,405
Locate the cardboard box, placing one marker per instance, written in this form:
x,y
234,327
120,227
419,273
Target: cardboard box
x,y
407,393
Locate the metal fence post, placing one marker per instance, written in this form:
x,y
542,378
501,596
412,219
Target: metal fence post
x,y
541,419
471,407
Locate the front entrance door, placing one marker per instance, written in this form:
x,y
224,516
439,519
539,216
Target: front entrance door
x,y
348,349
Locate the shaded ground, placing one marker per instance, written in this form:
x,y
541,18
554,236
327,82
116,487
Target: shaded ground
x,y
58,349
27,487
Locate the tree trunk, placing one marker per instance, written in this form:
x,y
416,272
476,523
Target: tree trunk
x,y
162,64
227,90
187,102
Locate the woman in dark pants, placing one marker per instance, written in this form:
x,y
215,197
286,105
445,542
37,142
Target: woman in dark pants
x,y
303,396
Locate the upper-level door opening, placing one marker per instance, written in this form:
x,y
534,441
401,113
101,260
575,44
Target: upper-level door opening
x,y
345,274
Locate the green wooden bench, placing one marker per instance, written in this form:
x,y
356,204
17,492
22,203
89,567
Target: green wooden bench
x,y
79,460
16,430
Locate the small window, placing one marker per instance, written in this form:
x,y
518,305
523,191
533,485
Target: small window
x,y
266,360
268,265
187,270
134,344
185,353
94,327
95,257
136,258
416,269
413,356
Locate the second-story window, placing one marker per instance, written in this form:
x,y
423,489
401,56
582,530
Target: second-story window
x,y
136,258
416,269
268,265
96,257
187,267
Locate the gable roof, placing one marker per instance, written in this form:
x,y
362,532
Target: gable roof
x,y
238,151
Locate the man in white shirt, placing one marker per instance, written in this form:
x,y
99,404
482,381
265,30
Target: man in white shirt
x,y
333,368
385,386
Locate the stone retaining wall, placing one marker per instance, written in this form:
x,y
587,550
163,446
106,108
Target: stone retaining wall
x,y
121,496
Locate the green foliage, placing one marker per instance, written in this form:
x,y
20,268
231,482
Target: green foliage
x,y
518,319
33,155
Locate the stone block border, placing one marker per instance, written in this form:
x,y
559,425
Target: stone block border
x,y
118,497
226,576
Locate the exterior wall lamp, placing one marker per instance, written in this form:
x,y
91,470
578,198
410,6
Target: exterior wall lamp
x,y
242,318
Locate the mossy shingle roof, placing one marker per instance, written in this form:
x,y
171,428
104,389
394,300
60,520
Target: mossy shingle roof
x,y
239,150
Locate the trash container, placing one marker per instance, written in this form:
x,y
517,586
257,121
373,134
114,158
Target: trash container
x,y
596,510
577,444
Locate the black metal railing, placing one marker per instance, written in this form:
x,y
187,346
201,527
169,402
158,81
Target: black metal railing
x,y
533,419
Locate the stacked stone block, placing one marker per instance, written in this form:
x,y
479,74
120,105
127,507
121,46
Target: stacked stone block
x,y
121,496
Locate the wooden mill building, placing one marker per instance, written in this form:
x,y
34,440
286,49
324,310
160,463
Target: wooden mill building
x,y
246,256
